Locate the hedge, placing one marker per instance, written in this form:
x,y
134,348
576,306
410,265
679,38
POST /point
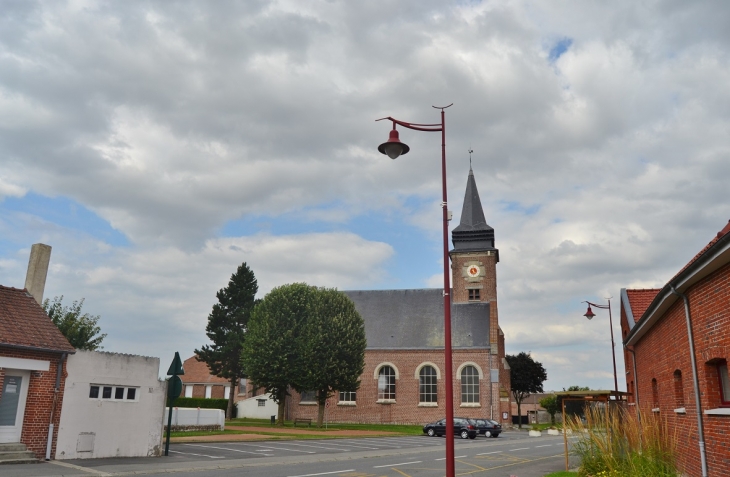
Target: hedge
x,y
202,403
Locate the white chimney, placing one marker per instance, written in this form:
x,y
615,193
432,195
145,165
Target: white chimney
x,y
35,279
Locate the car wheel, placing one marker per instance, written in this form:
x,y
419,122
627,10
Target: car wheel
x,y
464,435
431,433
487,434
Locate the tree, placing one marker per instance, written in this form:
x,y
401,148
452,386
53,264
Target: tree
x,y
333,347
272,352
550,404
81,330
227,327
527,377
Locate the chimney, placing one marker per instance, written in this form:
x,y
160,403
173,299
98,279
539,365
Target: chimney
x,y
35,279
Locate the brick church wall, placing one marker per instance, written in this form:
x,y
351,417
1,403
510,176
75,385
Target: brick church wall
x,y
665,349
38,405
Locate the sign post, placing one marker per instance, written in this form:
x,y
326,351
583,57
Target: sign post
x,y
174,388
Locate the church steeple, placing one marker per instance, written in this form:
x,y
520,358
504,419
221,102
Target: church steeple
x,y
473,233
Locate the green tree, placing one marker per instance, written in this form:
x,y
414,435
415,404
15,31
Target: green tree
x,y
227,328
550,404
527,376
333,347
272,351
81,330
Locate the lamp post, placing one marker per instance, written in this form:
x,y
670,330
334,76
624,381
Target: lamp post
x,y
589,314
394,148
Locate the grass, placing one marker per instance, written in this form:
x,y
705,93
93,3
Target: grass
x,y
615,443
402,429
562,473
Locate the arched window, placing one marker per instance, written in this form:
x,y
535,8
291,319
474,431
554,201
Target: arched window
x,y
427,385
386,383
678,389
655,393
469,385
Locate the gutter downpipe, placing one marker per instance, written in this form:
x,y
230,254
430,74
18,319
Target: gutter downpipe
x,y
695,380
636,381
56,390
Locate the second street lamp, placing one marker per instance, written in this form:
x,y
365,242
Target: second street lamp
x,y
589,314
393,148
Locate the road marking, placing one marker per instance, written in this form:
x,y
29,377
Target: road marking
x,y
521,448
393,465
317,447
227,449
546,445
78,467
324,473
197,455
455,457
493,452
351,445
275,448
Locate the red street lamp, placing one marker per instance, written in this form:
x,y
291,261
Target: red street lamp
x,y
393,147
589,314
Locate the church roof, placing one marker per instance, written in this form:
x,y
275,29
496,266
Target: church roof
x,y
414,319
198,372
473,232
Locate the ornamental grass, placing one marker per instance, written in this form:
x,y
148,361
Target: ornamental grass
x,y
614,442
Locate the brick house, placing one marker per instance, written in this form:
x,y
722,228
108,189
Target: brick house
x,y
404,359
32,368
198,382
663,330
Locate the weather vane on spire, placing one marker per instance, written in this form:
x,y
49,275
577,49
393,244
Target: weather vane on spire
x,y
470,151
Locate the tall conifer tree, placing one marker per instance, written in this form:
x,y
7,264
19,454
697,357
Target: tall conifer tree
x,y
227,327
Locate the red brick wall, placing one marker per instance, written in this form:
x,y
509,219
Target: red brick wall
x,y
40,400
198,391
406,409
665,349
217,392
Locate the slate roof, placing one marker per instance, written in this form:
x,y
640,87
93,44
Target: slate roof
x,y
198,372
473,232
414,319
24,324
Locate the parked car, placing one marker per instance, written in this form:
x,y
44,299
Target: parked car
x,y
464,427
488,427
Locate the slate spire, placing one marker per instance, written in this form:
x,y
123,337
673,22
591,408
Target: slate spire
x,y
473,233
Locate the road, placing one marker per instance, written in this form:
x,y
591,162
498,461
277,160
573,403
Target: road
x,y
512,454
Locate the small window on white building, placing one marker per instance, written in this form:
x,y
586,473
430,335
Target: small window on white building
x,y
94,392
113,393
106,392
118,393
261,402
131,394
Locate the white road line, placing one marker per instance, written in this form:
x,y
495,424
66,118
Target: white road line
x,y
197,455
351,445
521,448
324,473
393,465
316,447
455,457
493,452
229,449
546,445
276,448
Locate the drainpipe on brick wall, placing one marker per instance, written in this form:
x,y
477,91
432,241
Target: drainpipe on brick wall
x,y
56,391
695,380
636,382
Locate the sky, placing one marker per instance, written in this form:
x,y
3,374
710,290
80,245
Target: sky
x,y
158,145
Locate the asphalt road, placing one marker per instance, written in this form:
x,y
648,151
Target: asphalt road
x,y
512,454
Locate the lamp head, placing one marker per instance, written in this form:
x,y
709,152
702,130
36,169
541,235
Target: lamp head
x,y
589,314
393,147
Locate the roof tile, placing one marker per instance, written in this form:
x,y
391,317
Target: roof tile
x,y
24,323
198,372
640,300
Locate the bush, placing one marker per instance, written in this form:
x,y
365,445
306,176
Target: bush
x,y
202,403
615,443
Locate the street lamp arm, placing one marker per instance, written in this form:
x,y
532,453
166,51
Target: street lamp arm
x,y
416,126
602,307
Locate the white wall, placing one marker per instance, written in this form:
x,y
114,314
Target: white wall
x,y
191,416
250,407
110,427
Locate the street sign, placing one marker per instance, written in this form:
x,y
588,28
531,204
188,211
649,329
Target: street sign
x,y
174,387
176,367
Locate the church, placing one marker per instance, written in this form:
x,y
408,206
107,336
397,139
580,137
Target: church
x,y
403,380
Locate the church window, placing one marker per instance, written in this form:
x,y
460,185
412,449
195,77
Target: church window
x,y
347,396
469,385
655,393
724,383
427,384
474,294
308,396
386,383
678,389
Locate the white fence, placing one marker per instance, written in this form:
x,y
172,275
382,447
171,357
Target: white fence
x,y
191,418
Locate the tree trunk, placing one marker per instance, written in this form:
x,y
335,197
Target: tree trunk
x,y
320,413
519,413
282,407
231,397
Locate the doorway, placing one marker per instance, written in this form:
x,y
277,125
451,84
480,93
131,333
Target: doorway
x,y
12,404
